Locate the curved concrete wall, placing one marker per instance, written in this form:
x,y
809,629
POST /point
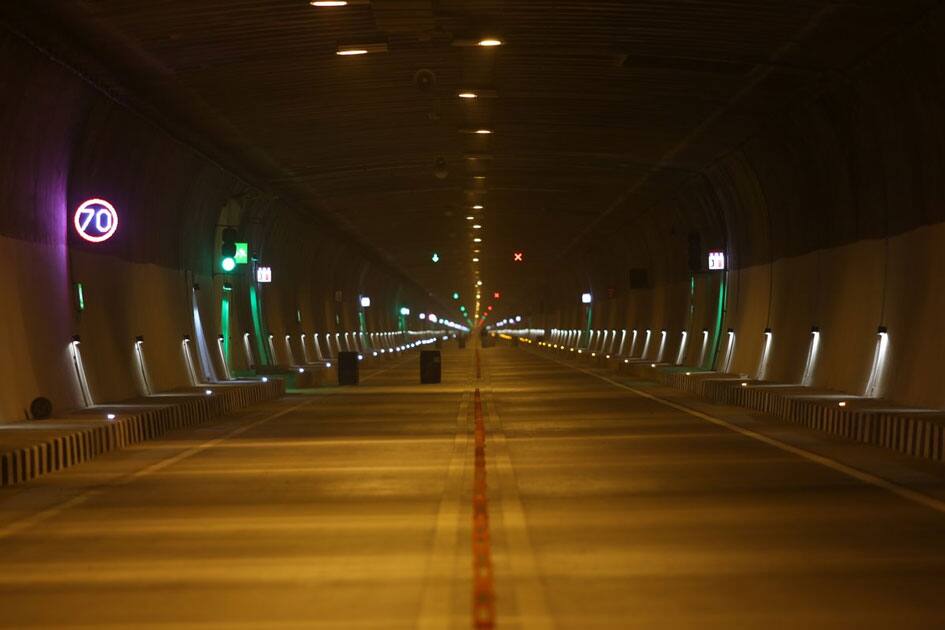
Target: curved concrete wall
x,y
831,217
64,141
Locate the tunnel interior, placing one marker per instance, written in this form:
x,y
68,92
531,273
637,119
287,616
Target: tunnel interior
x,y
472,313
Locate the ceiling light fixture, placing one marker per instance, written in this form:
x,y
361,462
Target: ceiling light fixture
x,y
470,218
329,3
477,240
490,41
483,132
468,95
361,48
477,226
477,207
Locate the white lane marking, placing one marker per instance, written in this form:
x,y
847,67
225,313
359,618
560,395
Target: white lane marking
x,y
908,494
437,599
382,370
28,521
18,525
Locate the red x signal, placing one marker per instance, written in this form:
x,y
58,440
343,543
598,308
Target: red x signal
x,y
518,256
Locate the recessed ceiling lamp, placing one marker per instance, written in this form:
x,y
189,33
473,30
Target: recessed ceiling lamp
x,y
490,41
477,227
477,240
477,207
470,218
468,95
475,260
329,3
483,132
346,50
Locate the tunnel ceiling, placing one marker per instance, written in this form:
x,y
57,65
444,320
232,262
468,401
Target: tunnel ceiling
x,y
596,108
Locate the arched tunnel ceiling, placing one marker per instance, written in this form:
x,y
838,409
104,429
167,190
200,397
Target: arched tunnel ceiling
x,y
597,107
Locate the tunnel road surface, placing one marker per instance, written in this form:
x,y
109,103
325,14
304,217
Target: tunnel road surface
x,y
549,499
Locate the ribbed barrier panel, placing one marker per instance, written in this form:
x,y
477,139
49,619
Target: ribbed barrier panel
x,y
23,464
919,433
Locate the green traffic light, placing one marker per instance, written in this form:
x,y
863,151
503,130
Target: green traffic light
x,y
228,263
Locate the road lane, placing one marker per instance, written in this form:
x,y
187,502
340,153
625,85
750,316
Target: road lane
x,y
352,508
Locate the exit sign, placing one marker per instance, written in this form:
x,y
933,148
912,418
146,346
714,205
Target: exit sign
x,y
242,253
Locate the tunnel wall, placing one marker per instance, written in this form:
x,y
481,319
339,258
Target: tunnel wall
x,y
831,217
64,140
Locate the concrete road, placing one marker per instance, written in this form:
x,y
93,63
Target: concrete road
x,y
354,508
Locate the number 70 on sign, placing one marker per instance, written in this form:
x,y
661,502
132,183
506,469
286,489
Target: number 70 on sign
x,y
96,220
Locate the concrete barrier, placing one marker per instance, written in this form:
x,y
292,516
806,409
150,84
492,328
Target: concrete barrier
x,y
916,432
31,449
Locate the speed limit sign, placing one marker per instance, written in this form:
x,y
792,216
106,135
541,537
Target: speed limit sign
x,y
96,220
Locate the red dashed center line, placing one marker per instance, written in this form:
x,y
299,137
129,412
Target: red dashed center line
x,y
483,604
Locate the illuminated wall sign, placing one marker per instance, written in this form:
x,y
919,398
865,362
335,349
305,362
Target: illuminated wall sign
x,y
242,253
96,220
518,256
264,274
716,261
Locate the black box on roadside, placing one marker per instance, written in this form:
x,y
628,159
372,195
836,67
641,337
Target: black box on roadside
x,y
347,368
430,366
